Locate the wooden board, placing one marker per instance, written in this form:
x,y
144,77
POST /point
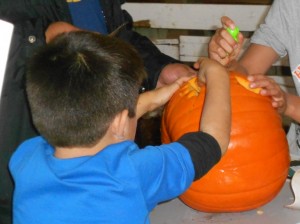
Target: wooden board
x,y
197,16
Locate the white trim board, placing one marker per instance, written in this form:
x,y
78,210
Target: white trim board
x,y
6,30
197,16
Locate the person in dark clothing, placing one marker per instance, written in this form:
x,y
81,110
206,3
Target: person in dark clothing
x,y
31,19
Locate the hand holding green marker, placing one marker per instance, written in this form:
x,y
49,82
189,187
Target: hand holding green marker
x,y
233,32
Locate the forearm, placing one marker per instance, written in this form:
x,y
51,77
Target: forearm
x,y
146,103
293,107
151,100
257,59
237,66
216,115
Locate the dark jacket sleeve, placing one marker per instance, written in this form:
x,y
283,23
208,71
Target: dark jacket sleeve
x,y
154,59
22,10
204,150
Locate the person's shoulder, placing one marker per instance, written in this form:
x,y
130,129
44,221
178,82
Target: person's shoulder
x,y
32,142
286,5
27,148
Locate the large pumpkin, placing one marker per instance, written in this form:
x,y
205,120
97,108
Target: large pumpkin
x,y
255,167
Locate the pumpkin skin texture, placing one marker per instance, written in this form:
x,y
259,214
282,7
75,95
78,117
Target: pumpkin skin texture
x,y
255,166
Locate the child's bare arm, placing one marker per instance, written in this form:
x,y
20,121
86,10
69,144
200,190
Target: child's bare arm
x,y
216,115
153,99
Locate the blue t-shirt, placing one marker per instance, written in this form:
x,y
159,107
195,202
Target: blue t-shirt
x,y
88,15
120,184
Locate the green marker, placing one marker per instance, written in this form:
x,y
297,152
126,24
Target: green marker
x,y
234,32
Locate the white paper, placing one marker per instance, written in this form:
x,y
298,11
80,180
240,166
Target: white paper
x,y
295,184
6,31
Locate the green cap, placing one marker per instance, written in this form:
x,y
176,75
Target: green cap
x,y
234,32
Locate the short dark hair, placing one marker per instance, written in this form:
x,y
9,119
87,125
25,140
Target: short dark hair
x,y
78,83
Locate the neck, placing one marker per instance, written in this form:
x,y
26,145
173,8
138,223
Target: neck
x,y
73,152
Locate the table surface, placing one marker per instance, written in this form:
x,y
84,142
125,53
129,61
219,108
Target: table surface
x,y
275,212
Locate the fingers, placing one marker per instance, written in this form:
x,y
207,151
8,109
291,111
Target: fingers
x,y
207,67
269,88
278,105
222,47
220,44
198,63
182,80
227,22
226,41
171,72
240,38
268,85
165,92
222,60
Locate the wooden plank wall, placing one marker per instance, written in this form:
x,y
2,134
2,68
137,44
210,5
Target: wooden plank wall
x,y
185,41
208,1
187,28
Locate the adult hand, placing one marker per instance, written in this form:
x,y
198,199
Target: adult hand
x,y
269,88
57,28
171,72
222,47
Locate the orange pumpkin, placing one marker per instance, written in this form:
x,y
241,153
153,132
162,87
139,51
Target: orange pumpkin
x,y
255,167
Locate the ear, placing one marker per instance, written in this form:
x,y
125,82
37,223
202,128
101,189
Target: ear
x,y
119,125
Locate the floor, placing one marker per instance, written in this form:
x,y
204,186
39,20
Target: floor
x,y
175,212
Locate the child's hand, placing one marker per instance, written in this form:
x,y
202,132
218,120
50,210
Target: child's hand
x,y
269,88
207,66
151,100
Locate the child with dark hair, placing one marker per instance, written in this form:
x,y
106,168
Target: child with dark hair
x,y
83,91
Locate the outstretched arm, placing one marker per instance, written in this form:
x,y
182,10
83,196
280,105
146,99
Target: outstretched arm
x,y
151,100
208,145
216,115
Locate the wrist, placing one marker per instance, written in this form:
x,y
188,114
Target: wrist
x,y
234,65
289,109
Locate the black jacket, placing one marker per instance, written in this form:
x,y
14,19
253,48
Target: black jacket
x,y
31,18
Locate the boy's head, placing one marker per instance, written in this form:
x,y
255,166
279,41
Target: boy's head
x,y
78,83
